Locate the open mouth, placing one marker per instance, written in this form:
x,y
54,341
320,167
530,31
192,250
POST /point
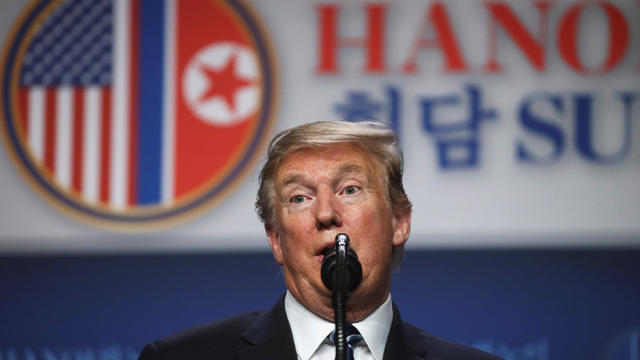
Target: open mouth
x,y
320,255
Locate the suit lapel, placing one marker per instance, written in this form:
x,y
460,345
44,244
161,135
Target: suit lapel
x,y
403,342
269,336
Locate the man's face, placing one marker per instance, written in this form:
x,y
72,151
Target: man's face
x,y
320,193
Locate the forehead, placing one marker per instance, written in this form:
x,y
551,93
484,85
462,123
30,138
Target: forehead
x,y
337,158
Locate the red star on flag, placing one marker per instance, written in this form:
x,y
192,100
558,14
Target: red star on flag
x,y
223,82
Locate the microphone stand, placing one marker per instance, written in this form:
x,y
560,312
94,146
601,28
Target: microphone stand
x,y
341,272
339,297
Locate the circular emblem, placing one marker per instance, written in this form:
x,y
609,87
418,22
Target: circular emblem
x,y
132,113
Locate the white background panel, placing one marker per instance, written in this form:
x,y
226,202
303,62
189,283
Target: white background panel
x,y
501,202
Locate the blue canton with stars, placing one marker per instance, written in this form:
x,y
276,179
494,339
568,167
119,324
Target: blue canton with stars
x,y
73,46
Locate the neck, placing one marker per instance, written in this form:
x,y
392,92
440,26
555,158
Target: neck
x,y
359,306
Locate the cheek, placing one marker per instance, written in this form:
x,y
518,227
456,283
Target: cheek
x,y
375,237
373,220
294,236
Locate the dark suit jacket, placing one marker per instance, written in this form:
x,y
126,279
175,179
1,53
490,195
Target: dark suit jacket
x,y
267,335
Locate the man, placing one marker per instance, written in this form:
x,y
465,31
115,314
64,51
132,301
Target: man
x,y
319,180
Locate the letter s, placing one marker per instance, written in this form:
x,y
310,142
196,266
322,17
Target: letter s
x,y
541,126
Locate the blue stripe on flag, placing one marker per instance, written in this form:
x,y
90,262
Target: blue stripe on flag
x,y
151,99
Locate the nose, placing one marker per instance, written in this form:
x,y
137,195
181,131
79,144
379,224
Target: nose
x,y
326,209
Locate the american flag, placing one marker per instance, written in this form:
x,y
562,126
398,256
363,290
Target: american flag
x,y
66,98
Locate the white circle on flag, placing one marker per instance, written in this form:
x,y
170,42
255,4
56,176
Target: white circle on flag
x,y
221,84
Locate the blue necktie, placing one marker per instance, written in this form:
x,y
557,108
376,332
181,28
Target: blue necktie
x,y
353,338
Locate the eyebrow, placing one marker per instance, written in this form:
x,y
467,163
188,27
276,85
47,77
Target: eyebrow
x,y
345,169
351,168
291,179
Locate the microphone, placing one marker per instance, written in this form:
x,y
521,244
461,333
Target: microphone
x,y
329,265
341,273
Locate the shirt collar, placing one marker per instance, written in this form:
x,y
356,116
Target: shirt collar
x,y
375,328
309,330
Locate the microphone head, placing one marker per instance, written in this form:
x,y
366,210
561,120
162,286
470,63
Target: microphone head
x,y
328,270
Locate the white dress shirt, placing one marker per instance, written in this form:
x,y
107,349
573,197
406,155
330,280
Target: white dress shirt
x,y
310,332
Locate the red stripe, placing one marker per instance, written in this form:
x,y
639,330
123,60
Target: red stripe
x,y
78,139
105,151
134,112
50,129
23,98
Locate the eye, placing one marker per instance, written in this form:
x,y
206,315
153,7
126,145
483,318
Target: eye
x,y
350,190
297,199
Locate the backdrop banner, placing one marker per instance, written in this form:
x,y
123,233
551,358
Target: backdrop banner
x,y
519,120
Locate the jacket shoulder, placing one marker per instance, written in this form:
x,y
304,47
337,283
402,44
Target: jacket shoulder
x,y
441,349
223,337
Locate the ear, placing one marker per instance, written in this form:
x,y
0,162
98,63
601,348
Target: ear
x,y
274,242
401,228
